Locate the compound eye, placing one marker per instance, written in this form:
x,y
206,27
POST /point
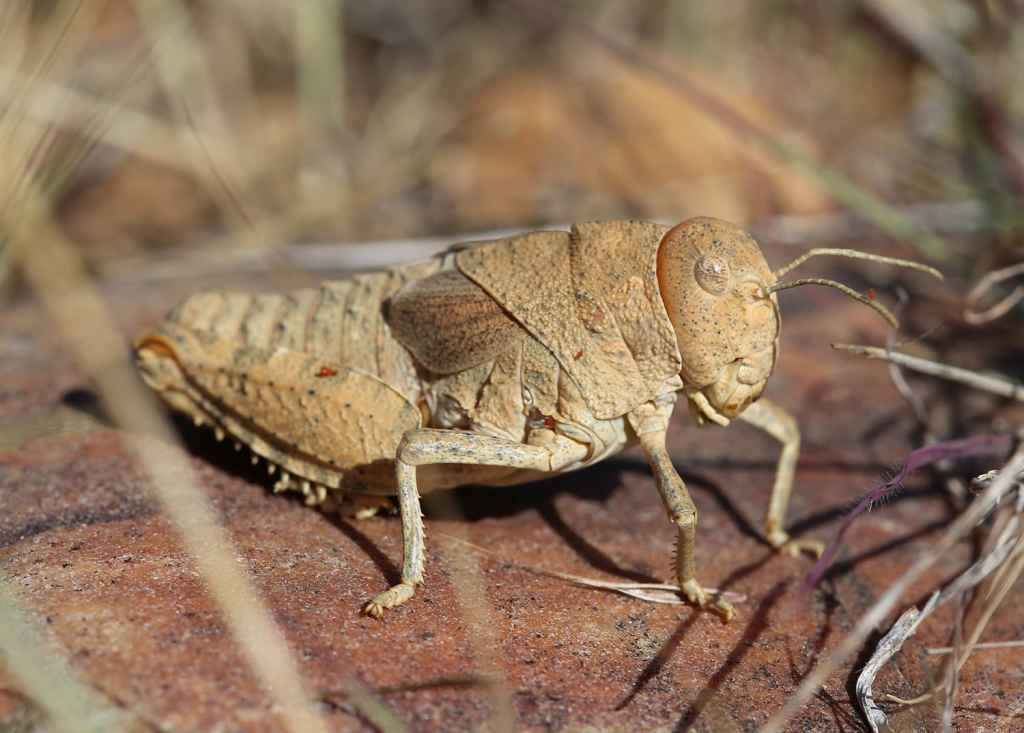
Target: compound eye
x,y
712,274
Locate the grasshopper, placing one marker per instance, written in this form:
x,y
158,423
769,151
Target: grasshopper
x,y
495,364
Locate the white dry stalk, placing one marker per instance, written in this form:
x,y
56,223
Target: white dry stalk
x,y
57,275
1001,308
907,624
666,593
996,385
985,645
479,614
875,615
45,677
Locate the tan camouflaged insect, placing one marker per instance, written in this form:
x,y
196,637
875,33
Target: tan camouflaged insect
x,y
494,364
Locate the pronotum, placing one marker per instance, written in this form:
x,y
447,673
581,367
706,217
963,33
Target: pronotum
x,y
493,364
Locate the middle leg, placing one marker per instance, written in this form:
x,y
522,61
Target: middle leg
x,y
772,419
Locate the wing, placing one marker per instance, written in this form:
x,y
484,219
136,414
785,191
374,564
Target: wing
x,y
450,323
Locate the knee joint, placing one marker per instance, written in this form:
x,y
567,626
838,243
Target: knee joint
x,y
789,431
685,518
412,451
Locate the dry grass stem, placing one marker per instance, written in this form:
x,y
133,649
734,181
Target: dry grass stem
x,y
844,189
871,620
980,646
56,274
668,593
1001,308
995,385
44,676
180,61
478,613
1010,564
1003,558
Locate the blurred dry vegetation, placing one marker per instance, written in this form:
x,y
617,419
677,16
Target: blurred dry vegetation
x,y
162,123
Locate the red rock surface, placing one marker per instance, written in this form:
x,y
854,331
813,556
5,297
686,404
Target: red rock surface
x,y
105,575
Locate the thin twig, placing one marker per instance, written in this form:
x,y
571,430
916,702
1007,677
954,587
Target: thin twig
x,y
45,677
981,646
1001,308
56,273
961,527
995,385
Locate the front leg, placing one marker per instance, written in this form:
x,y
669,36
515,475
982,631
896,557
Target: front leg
x,y
769,417
650,423
425,446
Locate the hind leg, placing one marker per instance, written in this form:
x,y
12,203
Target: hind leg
x,y
428,446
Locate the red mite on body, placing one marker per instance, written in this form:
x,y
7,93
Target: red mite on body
x,y
327,371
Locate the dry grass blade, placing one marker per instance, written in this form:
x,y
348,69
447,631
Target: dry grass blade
x,y
996,385
206,136
478,613
321,74
911,619
53,105
854,640
52,268
43,675
57,276
1001,308
1009,573
668,593
1007,555
917,26
980,647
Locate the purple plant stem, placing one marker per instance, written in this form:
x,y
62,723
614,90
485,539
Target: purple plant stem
x,y
918,459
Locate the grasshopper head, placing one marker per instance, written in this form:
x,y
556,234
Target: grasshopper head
x,y
715,283
720,296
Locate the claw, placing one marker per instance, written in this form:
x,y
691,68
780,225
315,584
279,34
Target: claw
x,y
396,595
795,547
723,609
696,595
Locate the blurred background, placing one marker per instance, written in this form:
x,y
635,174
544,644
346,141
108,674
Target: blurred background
x,y
156,128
